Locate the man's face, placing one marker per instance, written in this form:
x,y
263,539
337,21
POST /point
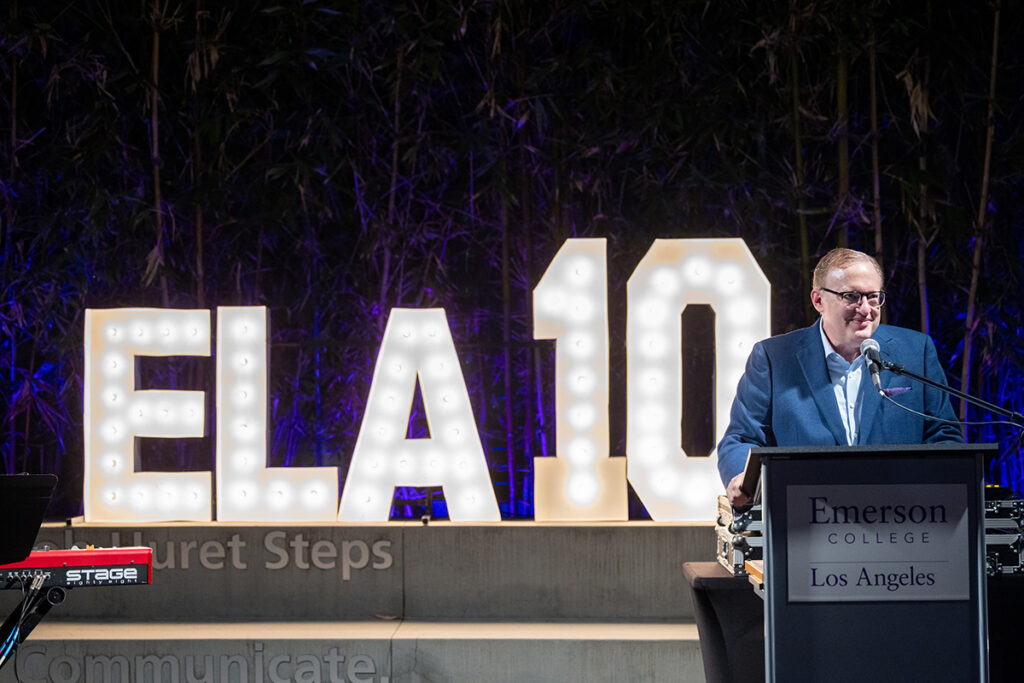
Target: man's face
x,y
847,326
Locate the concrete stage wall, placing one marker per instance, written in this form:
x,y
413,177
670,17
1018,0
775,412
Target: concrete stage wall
x,y
398,602
442,571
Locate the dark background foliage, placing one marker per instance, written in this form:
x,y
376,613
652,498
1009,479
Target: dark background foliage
x,y
332,160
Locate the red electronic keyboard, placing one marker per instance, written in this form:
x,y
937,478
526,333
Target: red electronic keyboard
x,y
77,568
45,575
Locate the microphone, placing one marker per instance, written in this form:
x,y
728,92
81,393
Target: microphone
x,y
873,359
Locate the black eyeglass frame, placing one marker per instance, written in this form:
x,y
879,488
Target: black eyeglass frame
x,y
848,300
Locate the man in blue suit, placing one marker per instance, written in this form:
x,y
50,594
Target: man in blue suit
x,y
811,387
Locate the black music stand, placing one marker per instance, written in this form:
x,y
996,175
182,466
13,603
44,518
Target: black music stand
x,y
23,502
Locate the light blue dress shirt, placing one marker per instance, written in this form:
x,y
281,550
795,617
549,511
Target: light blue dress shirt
x,y
846,385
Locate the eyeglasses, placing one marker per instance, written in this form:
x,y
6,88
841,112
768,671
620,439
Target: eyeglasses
x,y
875,299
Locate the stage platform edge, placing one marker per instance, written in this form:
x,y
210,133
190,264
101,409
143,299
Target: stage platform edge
x,y
378,651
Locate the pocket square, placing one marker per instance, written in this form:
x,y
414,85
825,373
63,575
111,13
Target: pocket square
x,y
895,391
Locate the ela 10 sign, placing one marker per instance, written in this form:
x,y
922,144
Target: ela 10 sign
x,y
581,483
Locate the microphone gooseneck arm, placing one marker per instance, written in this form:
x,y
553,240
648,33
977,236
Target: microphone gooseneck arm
x,y
898,369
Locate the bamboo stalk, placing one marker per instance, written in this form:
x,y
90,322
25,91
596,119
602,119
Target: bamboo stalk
x,y
843,142
197,161
154,150
526,205
876,190
392,190
925,231
801,205
971,322
6,237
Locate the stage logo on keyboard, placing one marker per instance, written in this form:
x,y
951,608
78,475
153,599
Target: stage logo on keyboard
x,y
103,576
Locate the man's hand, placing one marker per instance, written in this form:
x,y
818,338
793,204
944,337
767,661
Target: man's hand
x,y
737,496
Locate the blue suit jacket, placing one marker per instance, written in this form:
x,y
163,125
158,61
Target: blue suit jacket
x,y
785,398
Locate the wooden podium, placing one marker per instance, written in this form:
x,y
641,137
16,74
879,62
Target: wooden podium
x,y
874,562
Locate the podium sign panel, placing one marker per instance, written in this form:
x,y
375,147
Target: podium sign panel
x,y
886,542
874,563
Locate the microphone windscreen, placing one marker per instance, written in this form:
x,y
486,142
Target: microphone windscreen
x,y
869,345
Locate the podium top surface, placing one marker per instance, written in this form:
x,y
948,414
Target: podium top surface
x,y
752,471
894,450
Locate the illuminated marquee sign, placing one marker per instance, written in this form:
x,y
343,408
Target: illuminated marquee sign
x,y
418,343
570,306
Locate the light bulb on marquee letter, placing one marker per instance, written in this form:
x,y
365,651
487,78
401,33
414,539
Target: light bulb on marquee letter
x,y
115,414
418,343
673,274
570,305
248,490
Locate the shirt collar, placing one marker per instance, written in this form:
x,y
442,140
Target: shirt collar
x,y
831,355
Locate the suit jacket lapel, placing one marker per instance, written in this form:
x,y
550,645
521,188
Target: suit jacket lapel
x,y
811,357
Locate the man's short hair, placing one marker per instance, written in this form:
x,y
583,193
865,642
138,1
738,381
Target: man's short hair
x,y
838,259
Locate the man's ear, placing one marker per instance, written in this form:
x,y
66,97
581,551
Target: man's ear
x,y
816,300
